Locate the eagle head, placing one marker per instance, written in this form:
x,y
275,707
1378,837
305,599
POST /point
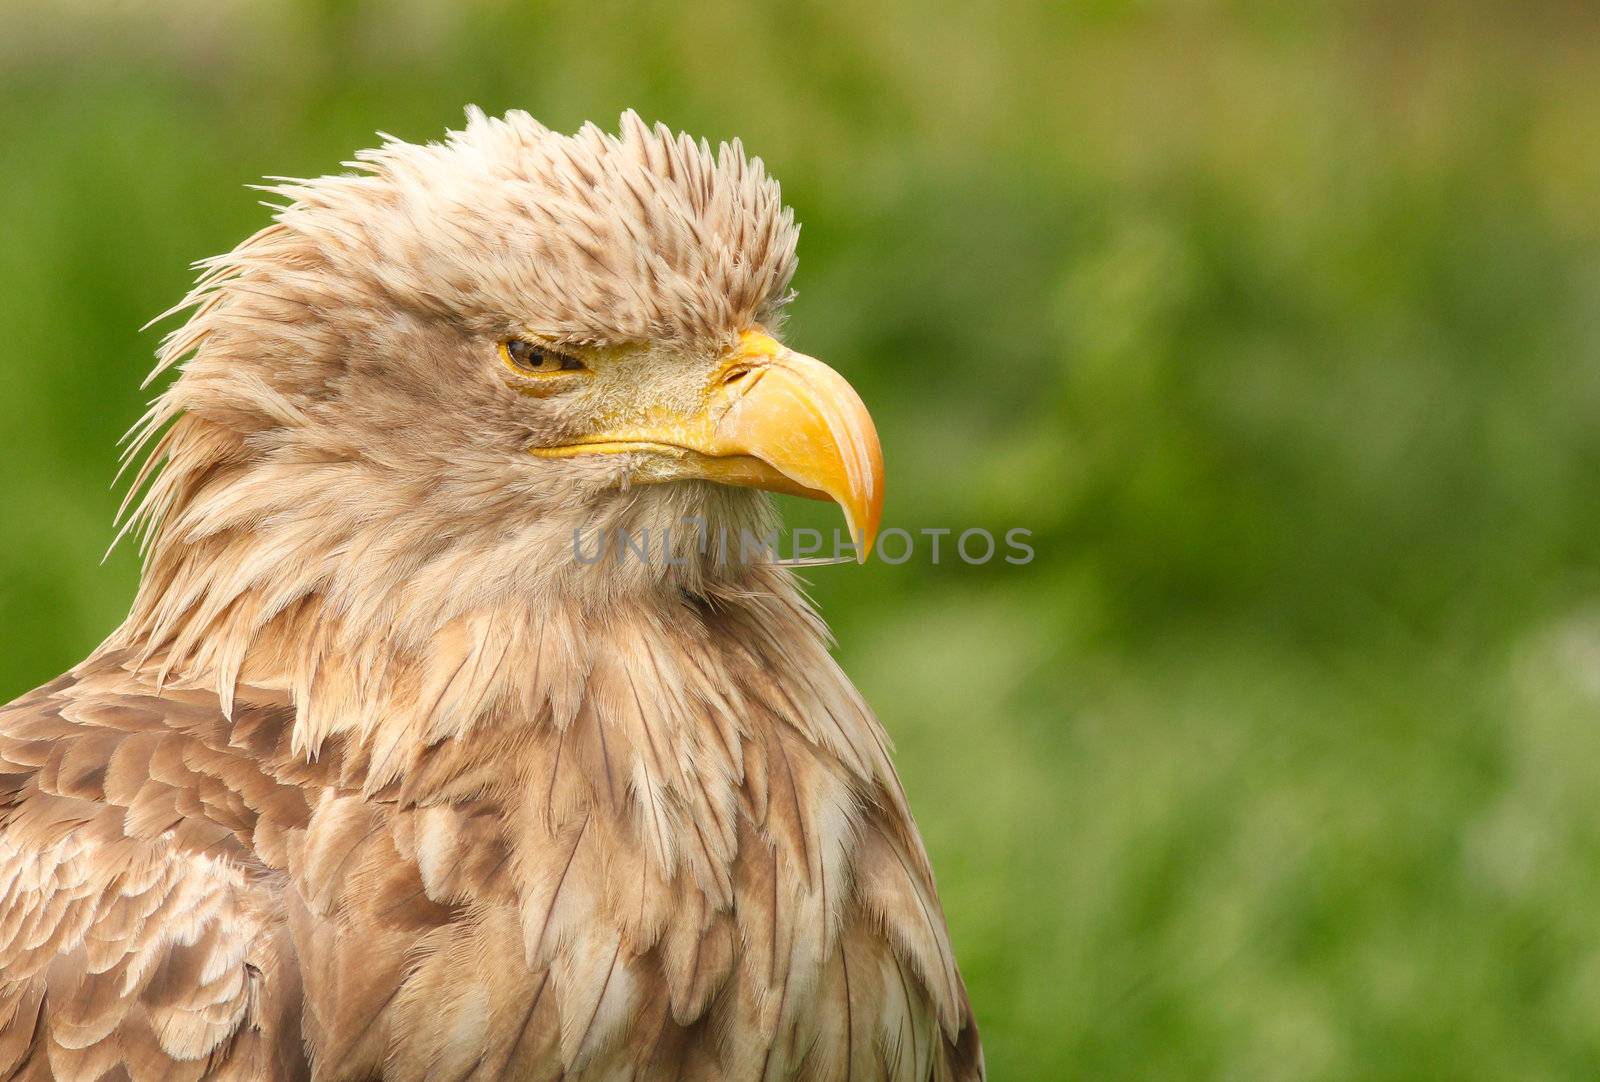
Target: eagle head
x,y
454,360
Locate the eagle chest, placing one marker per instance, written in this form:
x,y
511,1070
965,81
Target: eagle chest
x,y
621,885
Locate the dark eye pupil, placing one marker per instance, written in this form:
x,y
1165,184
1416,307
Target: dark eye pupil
x,y
526,354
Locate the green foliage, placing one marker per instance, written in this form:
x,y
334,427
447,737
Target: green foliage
x,y
1277,326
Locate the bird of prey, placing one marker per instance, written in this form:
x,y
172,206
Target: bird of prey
x,y
378,780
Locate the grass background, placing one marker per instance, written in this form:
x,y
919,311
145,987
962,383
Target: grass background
x,y
1277,325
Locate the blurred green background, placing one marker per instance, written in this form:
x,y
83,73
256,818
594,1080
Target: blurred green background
x,y
1279,326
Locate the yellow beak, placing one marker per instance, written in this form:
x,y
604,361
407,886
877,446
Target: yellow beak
x,y
770,418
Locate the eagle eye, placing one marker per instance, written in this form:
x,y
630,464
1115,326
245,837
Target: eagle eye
x,y
531,359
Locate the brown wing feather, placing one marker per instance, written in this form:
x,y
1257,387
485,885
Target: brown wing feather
x,y
140,935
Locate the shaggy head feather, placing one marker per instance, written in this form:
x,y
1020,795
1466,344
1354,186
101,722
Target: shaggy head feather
x,y
343,460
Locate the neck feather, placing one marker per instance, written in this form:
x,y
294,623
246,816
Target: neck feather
x,y
314,579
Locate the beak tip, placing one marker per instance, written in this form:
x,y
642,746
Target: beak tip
x,y
863,536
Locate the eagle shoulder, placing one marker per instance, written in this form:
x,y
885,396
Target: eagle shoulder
x,y
139,929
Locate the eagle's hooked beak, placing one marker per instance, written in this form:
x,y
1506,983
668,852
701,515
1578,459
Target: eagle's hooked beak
x,y
769,418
